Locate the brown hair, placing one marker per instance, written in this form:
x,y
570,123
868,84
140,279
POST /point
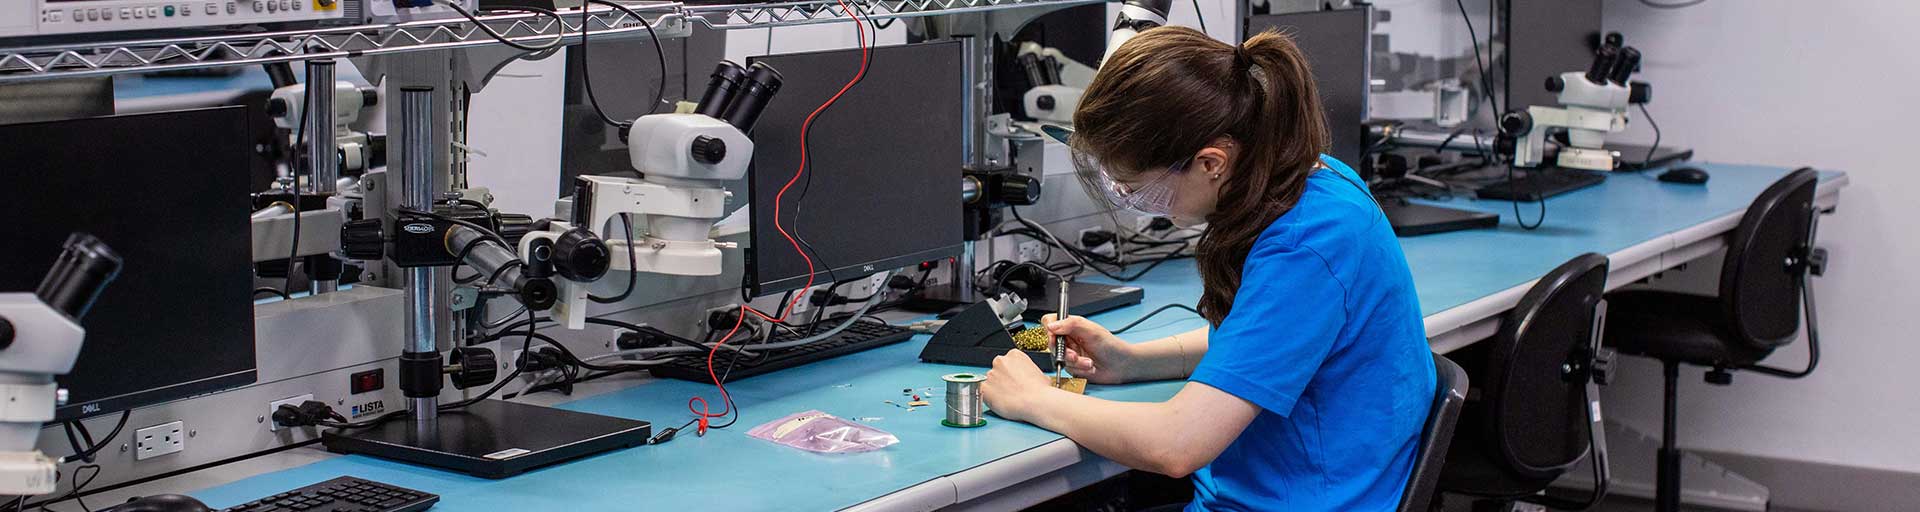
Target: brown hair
x,y
1171,91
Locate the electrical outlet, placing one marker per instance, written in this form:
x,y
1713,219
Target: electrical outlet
x,y
159,440
275,406
1034,251
1141,223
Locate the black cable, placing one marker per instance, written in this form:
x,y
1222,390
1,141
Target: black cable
x,y
586,77
293,169
1486,78
1644,163
93,447
276,291
1150,314
461,258
1512,192
633,272
79,484
1676,5
495,276
807,177
560,25
1202,16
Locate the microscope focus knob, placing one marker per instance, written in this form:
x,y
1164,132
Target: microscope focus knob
x,y
1556,84
6,334
709,150
1045,102
512,226
363,239
580,256
472,366
1018,189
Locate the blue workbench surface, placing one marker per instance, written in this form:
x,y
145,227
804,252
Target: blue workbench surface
x,y
726,470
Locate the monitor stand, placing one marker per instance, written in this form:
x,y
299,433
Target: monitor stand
x,y
493,438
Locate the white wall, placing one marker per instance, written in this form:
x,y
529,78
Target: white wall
x,y
515,120
1791,83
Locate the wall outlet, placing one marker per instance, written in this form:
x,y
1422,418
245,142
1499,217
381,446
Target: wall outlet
x,y
1034,251
275,406
160,440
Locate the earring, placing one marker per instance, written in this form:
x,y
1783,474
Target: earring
x,y
1214,176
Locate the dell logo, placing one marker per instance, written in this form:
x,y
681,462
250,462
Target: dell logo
x,y
866,268
418,228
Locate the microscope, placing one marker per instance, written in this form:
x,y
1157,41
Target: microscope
x,y
357,151
40,337
1594,104
686,159
1058,81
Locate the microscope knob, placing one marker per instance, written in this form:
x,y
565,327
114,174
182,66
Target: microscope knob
x,y
1045,102
537,293
512,226
363,240
1516,123
709,150
1555,84
1019,189
580,256
6,334
472,366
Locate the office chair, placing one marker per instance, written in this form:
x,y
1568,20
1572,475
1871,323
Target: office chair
x,y
1757,311
1534,412
1450,390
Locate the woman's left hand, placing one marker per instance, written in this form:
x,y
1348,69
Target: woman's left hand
x,y
1014,385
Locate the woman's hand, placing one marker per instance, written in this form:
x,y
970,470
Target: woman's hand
x,y
1013,385
1093,353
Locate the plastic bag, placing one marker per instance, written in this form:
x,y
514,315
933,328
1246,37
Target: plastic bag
x,y
820,432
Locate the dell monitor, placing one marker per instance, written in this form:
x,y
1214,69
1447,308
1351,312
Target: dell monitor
x,y
881,189
169,192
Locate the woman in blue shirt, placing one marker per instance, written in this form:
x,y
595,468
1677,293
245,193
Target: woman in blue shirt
x,y
1309,389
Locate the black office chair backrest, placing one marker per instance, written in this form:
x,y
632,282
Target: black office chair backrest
x,y
1759,287
1451,391
1534,381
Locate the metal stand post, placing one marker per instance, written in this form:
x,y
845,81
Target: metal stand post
x,y
416,189
323,160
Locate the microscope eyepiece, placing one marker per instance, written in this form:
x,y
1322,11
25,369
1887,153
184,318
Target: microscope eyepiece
x,y
1603,62
79,274
721,87
762,83
1624,68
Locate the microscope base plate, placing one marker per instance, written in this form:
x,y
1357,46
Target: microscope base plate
x,y
494,438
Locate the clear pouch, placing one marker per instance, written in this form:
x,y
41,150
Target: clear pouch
x,y
820,432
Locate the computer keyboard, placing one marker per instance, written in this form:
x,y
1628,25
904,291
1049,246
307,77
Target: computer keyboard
x,y
1537,185
344,494
858,337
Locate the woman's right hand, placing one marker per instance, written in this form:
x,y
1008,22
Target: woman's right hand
x,y
1093,353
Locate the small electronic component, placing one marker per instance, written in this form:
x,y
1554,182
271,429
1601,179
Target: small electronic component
x,y
1074,385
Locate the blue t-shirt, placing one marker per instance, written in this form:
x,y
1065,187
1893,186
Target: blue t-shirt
x,y
1326,337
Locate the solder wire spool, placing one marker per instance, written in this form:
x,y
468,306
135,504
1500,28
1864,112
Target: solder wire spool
x,y
965,407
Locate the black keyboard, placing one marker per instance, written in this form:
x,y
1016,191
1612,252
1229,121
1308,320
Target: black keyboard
x,y
1537,185
344,494
858,337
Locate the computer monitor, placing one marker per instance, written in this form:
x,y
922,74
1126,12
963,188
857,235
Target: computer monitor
x,y
1338,47
1545,39
882,185
169,192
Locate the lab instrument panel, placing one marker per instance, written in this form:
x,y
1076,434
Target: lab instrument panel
x,y
67,17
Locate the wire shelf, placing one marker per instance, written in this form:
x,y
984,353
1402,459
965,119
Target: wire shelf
x,y
733,17
117,57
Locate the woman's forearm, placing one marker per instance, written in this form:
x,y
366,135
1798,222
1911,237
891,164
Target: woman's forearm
x,y
1172,357
1173,438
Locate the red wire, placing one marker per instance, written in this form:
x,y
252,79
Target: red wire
x,y
702,411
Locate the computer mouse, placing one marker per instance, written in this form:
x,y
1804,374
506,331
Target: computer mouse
x,y
162,503
1687,175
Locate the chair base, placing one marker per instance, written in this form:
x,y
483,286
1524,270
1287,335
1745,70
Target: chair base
x,y
1667,473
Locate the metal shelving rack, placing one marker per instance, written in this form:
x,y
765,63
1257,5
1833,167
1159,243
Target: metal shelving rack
x,y
670,20
782,14
139,56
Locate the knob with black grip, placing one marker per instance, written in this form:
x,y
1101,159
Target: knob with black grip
x,y
708,150
472,366
580,256
1018,189
364,239
512,226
